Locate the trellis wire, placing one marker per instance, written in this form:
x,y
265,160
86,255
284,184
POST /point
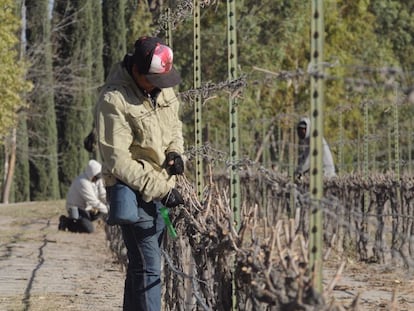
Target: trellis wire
x,y
347,143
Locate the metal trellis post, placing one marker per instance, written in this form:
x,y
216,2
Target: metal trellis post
x,y
316,173
397,147
389,146
233,110
341,143
396,137
410,147
292,159
365,170
234,125
198,101
366,133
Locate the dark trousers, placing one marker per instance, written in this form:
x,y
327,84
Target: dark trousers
x,y
83,224
143,239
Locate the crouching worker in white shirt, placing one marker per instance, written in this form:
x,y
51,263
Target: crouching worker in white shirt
x,y
85,200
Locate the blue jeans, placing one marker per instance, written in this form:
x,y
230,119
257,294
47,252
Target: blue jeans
x,y
143,239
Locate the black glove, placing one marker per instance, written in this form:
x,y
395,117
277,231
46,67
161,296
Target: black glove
x,y
172,199
176,168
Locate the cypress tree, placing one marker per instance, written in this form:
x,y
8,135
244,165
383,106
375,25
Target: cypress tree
x,y
42,118
97,46
73,66
394,23
139,20
114,32
21,180
20,190
97,60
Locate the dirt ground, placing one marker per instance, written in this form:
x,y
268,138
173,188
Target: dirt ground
x,y
43,269
378,287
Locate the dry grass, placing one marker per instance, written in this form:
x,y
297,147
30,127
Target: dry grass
x,y
15,216
33,210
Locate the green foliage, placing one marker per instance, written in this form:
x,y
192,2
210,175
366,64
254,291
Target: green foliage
x,y
98,71
74,96
361,37
41,123
13,84
21,179
138,21
274,39
395,23
273,36
114,31
355,50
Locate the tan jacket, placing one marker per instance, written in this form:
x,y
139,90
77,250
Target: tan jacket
x,y
134,136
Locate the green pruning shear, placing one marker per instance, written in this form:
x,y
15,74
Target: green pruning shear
x,y
170,227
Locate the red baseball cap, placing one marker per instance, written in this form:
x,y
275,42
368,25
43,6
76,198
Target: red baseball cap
x,y
154,59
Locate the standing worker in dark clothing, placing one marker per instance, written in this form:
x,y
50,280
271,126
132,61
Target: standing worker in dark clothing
x,y
141,144
303,130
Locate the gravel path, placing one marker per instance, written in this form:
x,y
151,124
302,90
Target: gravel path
x,y
43,269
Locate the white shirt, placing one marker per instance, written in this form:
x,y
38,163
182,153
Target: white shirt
x,y
85,194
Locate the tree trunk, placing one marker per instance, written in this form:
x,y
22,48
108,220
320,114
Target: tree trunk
x,y
9,165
